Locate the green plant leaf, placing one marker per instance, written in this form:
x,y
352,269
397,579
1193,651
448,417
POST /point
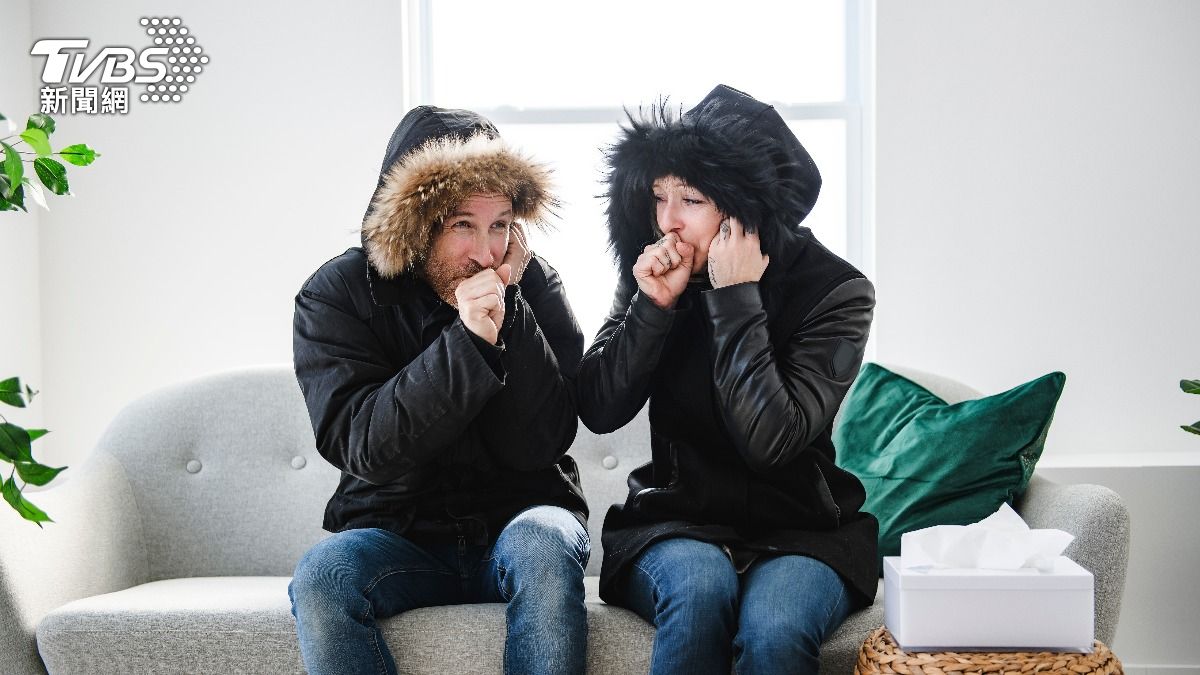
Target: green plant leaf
x,y
37,474
1190,386
14,443
5,205
23,506
79,154
38,140
36,192
10,392
18,198
13,169
35,434
53,175
1194,428
40,121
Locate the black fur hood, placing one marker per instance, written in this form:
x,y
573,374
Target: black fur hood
x,y
735,149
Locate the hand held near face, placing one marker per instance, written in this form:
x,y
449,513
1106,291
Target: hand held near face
x,y
735,256
663,269
518,254
480,300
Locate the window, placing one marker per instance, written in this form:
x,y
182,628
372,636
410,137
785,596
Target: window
x,y
555,78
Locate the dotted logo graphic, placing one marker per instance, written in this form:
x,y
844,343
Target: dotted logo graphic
x,y
185,59
167,69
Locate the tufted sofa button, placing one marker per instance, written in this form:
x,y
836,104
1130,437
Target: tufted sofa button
x,y
194,466
298,462
609,462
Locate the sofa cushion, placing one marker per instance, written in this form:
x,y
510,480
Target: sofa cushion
x,y
192,625
839,654
244,625
226,475
925,462
605,461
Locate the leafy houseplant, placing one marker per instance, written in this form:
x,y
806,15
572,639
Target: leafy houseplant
x,y
15,449
1190,387
15,185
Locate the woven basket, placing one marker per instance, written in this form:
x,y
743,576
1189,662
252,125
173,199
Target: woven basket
x,y
880,654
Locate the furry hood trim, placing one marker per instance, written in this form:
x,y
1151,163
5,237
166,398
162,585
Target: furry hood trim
x,y
426,184
736,150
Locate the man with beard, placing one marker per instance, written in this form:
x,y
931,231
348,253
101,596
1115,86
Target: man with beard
x,y
437,364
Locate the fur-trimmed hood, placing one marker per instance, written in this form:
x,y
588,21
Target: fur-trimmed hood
x,y
736,150
437,158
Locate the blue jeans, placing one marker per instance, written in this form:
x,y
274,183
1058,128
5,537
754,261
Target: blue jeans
x,y
349,581
770,619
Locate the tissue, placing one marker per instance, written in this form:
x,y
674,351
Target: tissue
x,y
1002,541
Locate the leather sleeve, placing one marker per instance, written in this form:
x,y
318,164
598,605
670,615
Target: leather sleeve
x,y
616,372
531,422
373,418
775,402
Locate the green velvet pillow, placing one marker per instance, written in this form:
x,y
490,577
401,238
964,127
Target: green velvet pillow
x,y
925,462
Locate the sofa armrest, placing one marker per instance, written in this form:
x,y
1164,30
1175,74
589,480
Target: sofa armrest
x,y
1098,518
94,546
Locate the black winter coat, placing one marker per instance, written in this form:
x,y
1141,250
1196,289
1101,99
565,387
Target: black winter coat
x,y
437,433
743,384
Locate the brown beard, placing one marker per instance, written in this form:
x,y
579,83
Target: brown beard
x,y
444,277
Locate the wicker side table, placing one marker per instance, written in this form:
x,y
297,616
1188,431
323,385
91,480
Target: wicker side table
x,y
881,654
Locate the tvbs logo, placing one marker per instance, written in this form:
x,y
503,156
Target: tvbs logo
x,y
167,69
117,63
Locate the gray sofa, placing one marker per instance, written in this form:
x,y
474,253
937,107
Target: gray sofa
x,y
175,540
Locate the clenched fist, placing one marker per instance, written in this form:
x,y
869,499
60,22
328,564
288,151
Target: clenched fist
x,y
481,302
663,269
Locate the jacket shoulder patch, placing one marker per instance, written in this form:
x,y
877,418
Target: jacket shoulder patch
x,y
843,358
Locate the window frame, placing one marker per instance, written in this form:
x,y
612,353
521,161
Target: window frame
x,y
856,110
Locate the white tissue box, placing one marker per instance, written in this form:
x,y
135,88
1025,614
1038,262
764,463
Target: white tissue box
x,y
989,610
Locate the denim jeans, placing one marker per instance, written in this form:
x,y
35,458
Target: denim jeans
x,y
349,581
770,619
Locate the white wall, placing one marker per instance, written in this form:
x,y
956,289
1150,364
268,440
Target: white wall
x,y
1037,206
20,306
1160,614
1037,210
192,233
